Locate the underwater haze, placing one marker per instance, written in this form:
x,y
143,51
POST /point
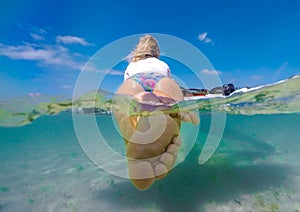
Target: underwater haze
x,y
254,168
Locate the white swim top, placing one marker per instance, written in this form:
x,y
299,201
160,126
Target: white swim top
x,y
148,65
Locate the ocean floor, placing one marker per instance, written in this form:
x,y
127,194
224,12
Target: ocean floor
x,y
255,168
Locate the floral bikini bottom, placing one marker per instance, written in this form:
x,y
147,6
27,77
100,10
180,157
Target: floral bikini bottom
x,y
148,80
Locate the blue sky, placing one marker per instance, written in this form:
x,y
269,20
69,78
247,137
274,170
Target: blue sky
x,y
45,44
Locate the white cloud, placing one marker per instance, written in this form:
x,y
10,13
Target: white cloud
x,y
37,36
26,52
116,72
211,72
42,31
35,94
91,67
72,40
44,54
203,37
207,40
54,54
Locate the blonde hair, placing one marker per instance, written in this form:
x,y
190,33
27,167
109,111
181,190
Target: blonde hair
x,y
147,47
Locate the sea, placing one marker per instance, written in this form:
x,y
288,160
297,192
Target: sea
x,y
243,156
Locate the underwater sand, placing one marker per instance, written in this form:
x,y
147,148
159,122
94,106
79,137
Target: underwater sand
x,y
255,168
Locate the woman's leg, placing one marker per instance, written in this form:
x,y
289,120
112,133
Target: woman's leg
x,y
150,161
167,89
130,87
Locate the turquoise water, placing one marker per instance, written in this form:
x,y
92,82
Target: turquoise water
x,y
255,167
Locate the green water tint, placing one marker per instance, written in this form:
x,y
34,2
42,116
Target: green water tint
x,y
279,98
4,189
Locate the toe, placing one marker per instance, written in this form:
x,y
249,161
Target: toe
x,y
185,117
143,184
160,171
172,148
167,159
140,169
194,118
177,140
141,174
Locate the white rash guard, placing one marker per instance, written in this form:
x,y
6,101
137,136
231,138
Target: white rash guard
x,y
148,65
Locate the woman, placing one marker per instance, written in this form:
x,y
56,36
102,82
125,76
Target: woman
x,y
146,72
152,142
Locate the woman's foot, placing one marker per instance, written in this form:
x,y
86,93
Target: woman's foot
x,y
152,142
144,172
